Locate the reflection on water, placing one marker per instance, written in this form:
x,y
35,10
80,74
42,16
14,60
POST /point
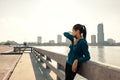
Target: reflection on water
x,y
105,54
101,54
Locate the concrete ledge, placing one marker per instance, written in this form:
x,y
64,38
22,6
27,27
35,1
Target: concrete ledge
x,y
99,71
24,69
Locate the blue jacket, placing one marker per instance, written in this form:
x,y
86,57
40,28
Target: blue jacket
x,y
78,51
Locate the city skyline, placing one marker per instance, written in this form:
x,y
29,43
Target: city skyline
x,y
95,38
24,20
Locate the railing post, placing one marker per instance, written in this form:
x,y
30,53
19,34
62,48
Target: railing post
x,y
14,49
31,49
19,48
61,68
47,59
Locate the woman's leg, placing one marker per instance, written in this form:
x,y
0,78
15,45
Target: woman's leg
x,y
69,74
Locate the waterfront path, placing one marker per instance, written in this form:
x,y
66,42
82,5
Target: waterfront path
x,y
7,64
15,66
29,69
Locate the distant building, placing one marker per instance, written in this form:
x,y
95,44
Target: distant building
x,y
51,41
59,39
111,41
68,41
93,39
39,40
100,34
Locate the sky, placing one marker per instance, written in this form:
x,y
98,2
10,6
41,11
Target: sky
x,y
25,20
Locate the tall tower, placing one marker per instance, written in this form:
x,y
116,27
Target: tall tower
x,y
68,41
93,39
100,34
39,40
59,39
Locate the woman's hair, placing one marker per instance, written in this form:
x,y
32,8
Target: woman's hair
x,y
82,30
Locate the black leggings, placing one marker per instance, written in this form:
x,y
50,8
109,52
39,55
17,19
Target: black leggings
x,y
69,74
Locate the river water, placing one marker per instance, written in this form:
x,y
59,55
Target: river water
x,y
106,54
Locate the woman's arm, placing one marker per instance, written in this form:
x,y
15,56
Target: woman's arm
x,y
86,54
69,36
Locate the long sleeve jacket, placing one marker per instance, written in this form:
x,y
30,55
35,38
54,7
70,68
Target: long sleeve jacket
x,y
78,51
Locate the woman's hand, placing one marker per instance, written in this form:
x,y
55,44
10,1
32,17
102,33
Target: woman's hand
x,y
74,65
75,41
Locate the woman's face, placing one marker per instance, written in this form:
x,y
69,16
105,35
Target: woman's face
x,y
75,32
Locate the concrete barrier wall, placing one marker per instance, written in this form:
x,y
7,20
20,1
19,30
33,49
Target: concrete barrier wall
x,y
99,71
90,70
55,56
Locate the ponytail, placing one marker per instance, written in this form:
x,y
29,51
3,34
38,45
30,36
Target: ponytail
x,y
82,29
84,32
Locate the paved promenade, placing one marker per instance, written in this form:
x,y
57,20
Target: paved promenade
x,y
29,69
23,70
7,64
21,66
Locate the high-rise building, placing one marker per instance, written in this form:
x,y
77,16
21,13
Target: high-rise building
x,y
93,39
59,39
51,41
100,34
39,40
111,41
68,41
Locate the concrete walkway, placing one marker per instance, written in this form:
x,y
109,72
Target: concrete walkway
x,y
7,64
28,69
24,69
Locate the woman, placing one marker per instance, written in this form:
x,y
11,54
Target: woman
x,y
78,50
